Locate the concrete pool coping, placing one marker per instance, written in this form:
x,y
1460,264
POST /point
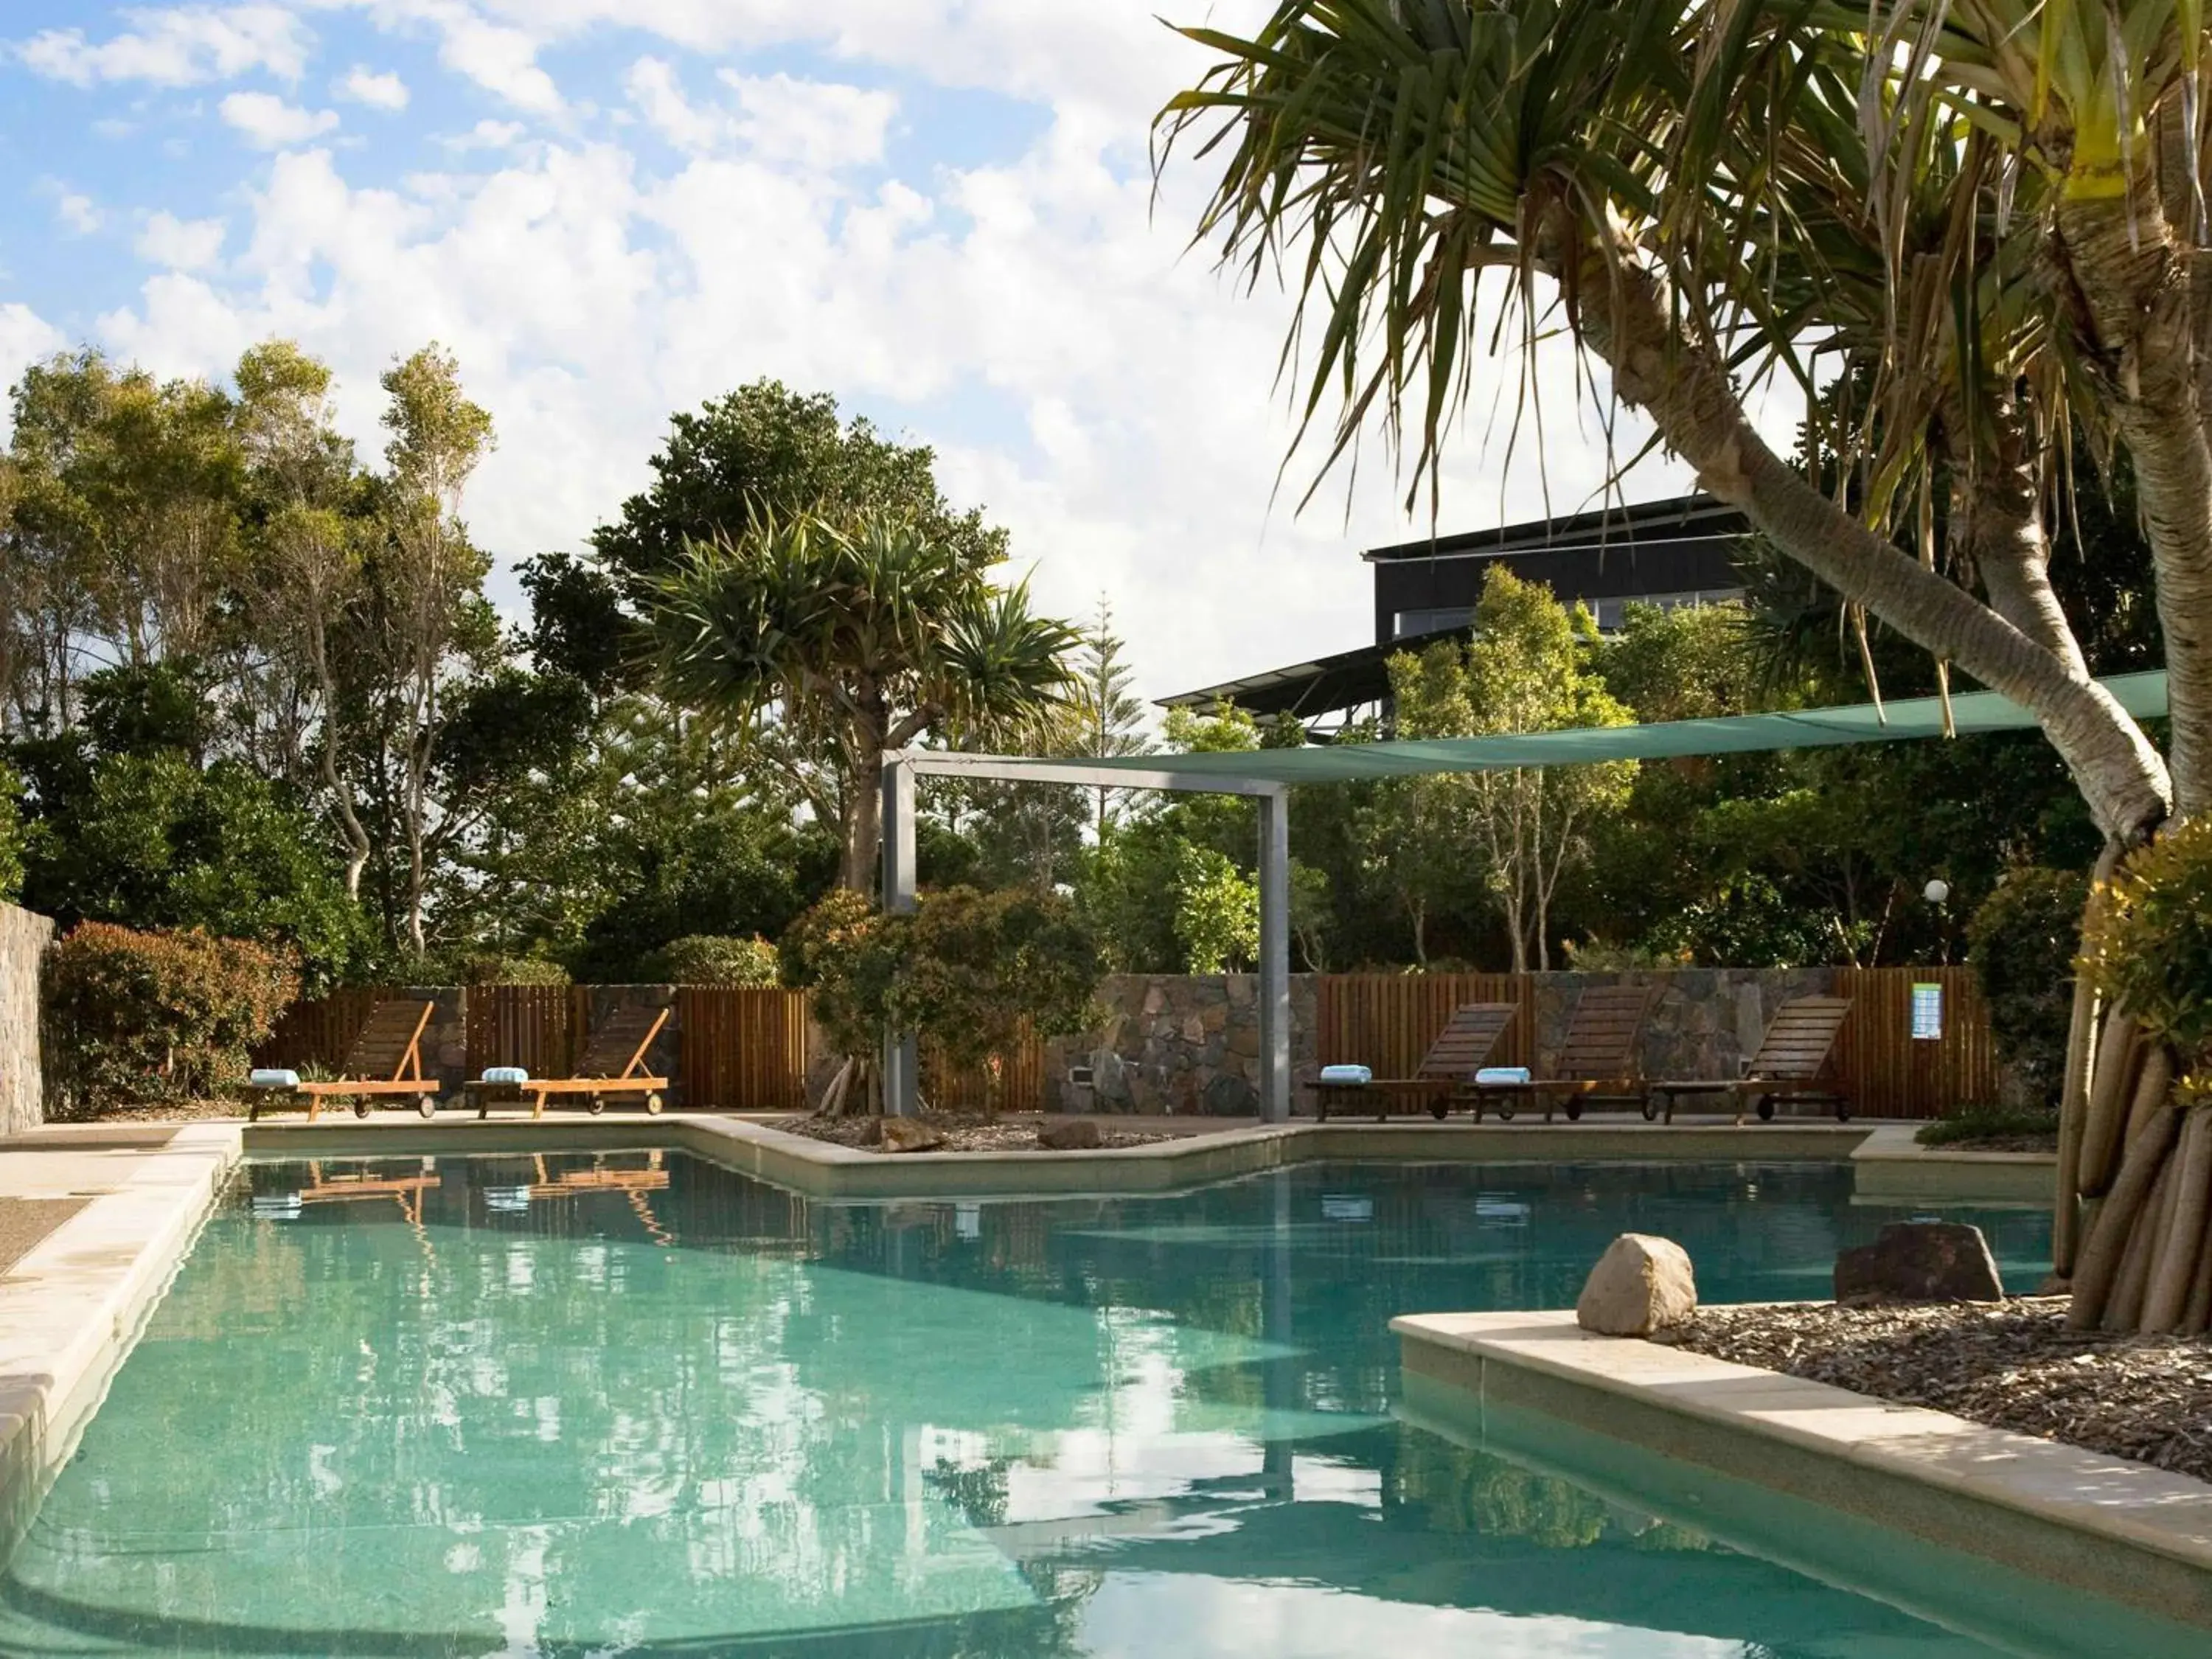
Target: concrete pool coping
x,y
1194,1157
2114,1529
72,1307
1890,1166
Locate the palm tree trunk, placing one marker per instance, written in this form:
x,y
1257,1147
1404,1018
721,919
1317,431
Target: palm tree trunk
x,y
1622,313
2135,293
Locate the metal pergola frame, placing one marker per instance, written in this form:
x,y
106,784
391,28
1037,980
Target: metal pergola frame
x,y
901,1063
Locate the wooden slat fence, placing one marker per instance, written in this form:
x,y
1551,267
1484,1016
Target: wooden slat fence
x,y
1388,1021
1019,1086
319,1033
540,1028
741,1050
1887,1072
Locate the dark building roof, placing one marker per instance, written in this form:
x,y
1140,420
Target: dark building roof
x,y
1664,552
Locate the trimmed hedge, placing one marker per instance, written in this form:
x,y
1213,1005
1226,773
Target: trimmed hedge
x,y
148,1018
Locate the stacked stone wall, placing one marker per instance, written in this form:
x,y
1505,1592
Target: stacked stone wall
x,y
24,937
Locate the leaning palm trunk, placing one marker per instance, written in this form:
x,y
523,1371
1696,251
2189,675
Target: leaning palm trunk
x,y
1623,315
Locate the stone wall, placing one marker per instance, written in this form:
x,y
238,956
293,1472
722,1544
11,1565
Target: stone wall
x,y
1704,1023
1189,1044
1176,1043
24,935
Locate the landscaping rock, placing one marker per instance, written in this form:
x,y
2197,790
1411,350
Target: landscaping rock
x,y
1067,1134
907,1134
1920,1262
1640,1285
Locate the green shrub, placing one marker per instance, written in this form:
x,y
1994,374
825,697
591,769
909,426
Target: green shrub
x,y
492,969
139,1017
2021,942
966,968
714,959
2148,943
834,953
1971,1124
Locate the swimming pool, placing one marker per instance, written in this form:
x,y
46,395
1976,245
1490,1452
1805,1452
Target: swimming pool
x,y
638,1404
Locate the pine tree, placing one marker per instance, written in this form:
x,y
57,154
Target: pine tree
x,y
1110,716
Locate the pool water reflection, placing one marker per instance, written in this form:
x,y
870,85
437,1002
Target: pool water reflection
x,y
638,1404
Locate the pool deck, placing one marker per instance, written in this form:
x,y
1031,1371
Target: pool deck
x,y
73,1304
2114,1529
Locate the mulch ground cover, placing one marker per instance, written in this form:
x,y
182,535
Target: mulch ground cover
x,y
961,1133
2009,1364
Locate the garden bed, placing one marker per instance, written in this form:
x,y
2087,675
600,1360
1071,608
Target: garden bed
x,y
962,1133
2011,1364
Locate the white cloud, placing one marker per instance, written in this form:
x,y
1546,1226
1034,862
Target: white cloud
x,y
181,243
79,213
1085,381
386,91
269,123
651,85
24,338
176,46
486,135
502,61
817,123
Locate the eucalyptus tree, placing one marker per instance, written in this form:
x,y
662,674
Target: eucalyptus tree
x,y
857,637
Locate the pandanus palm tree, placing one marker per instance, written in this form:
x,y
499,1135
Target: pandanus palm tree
x,y
861,638
1400,155
1989,211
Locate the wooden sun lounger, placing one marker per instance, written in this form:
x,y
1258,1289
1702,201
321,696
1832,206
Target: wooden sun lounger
x,y
612,1064
1445,1073
386,1058
1598,1059
1795,1061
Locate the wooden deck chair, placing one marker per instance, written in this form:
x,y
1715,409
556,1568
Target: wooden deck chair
x,y
613,1063
386,1058
1601,1058
1445,1074
1795,1061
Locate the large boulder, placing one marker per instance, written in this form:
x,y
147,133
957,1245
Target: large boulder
x,y
1920,1262
1068,1135
1641,1284
909,1135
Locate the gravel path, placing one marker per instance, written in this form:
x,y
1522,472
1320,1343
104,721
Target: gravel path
x,y
2011,1364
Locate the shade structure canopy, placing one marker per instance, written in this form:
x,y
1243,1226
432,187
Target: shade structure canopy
x,y
2142,694
1269,774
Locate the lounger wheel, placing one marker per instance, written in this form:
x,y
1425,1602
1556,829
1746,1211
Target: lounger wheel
x,y
1440,1110
654,1105
1656,1102
426,1104
1843,1111
1574,1111
361,1109
596,1104
1505,1114
1766,1108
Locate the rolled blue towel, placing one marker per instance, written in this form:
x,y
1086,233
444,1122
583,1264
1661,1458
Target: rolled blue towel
x,y
1346,1074
1495,1074
505,1074
272,1077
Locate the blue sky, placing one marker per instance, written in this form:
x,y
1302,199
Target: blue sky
x,y
941,210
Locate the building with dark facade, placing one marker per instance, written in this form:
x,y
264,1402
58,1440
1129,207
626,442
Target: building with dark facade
x,y
1665,553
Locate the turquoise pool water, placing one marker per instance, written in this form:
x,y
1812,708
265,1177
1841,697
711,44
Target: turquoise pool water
x,y
634,1404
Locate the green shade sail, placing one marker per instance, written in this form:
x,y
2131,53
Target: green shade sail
x,y
2143,696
